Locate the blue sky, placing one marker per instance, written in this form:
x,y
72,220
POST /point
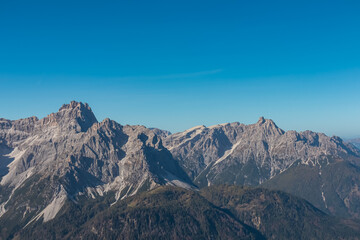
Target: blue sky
x,y
177,64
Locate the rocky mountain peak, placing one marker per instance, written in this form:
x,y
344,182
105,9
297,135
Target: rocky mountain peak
x,y
75,105
69,154
269,126
75,115
261,120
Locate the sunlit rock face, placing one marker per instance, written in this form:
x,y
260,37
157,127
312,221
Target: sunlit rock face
x,y
262,153
69,154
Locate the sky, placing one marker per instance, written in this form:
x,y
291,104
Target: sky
x,y
177,64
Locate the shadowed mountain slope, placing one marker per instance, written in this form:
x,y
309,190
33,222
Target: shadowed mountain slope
x,y
221,212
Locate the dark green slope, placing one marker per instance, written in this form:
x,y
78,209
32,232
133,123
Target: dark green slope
x,y
332,188
26,202
278,215
218,212
71,217
163,213
166,213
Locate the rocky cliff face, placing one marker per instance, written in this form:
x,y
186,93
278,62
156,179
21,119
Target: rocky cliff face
x,y
69,153
253,154
160,132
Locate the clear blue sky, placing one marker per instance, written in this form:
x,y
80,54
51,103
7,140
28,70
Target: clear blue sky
x,y
177,64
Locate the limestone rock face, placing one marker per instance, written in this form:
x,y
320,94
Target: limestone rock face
x,y
69,153
255,154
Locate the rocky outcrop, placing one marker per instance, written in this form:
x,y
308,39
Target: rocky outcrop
x,y
160,132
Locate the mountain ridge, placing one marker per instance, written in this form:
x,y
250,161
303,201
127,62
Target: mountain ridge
x,y
70,153
355,142
253,154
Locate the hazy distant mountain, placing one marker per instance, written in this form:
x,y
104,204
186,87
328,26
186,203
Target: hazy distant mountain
x,y
67,154
355,142
324,170
221,212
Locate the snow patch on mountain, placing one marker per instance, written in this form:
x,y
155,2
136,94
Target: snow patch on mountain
x,y
172,180
228,152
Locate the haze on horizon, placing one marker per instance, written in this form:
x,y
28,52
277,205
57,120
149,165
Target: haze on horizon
x,y
175,65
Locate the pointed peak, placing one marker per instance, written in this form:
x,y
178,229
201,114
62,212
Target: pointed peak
x,y
75,115
261,120
106,120
75,105
269,124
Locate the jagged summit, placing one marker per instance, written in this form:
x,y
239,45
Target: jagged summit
x,y
266,121
269,126
75,105
261,120
75,115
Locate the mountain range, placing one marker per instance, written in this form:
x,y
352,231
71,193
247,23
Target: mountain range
x,y
355,142
103,180
323,170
